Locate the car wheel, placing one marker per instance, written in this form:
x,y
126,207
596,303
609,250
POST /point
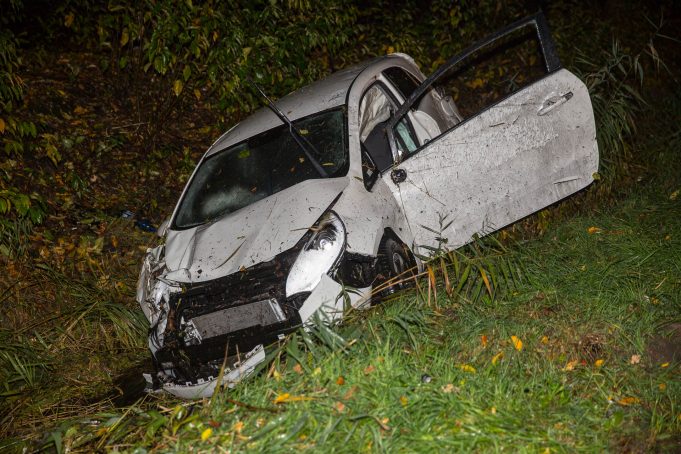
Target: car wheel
x,y
394,260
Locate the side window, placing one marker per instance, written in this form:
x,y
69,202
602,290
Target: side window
x,y
402,80
478,79
375,112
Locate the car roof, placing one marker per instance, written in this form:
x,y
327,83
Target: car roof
x,y
318,96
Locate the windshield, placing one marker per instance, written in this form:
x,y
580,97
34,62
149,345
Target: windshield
x,y
261,166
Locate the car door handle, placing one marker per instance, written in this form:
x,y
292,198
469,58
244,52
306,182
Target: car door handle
x,y
398,175
553,102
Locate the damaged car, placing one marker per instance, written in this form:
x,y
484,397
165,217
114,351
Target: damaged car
x,y
310,205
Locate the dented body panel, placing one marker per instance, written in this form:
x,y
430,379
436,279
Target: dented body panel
x,y
224,290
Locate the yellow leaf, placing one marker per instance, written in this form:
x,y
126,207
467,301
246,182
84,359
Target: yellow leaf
x,y
276,375
545,340
125,37
2,125
286,397
626,401
592,230
404,400
391,50
486,281
177,87
493,410
197,94
497,357
517,343
662,386
238,426
599,362
205,435
483,341
674,195
467,368
68,19
317,371
570,365
663,365
79,110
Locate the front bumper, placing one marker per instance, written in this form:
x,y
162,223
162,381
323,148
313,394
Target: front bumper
x,y
328,300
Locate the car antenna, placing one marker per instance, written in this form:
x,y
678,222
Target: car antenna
x,y
295,133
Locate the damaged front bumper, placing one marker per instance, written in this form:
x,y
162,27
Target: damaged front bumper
x,y
198,329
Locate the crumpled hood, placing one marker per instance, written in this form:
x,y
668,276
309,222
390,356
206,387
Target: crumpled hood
x,y
251,235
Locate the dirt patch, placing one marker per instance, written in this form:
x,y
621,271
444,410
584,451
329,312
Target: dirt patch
x,y
666,346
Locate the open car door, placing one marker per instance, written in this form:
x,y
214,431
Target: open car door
x,y
533,147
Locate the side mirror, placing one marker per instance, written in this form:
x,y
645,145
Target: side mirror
x,y
163,228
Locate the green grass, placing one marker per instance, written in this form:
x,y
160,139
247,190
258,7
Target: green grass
x,y
583,297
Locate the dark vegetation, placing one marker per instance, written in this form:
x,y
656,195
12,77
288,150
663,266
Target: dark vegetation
x,y
107,106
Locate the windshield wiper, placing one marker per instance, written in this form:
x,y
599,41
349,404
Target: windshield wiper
x,y
302,142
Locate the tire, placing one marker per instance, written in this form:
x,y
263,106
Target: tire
x,y
393,260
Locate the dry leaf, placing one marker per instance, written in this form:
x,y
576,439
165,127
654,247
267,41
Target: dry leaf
x,y
674,195
79,110
497,357
545,340
599,362
663,365
635,359
298,369
339,406
205,435
571,365
449,388
340,380
2,125
404,400
662,386
626,401
369,369
238,426
592,230
517,343
350,392
317,371
483,341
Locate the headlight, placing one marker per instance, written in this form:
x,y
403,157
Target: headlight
x,y
319,255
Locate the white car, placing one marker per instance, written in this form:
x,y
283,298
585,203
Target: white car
x,y
279,220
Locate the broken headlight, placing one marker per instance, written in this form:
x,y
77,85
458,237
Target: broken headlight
x,y
319,255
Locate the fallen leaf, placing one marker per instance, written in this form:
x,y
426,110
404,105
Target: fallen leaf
x,y
177,87
369,369
205,435
339,406
68,20
571,365
592,230
545,340
449,388
276,375
238,426
349,393
317,371
286,397
340,380
599,362
663,365
493,410
2,125
298,369
497,357
626,401
483,341
404,401
213,423
674,195
662,386
635,359
467,368
517,343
